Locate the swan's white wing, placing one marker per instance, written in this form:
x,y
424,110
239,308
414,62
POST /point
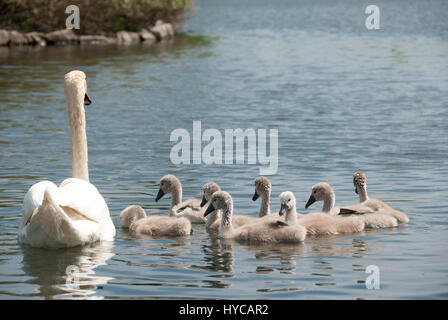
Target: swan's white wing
x,y
86,203
50,226
33,198
82,198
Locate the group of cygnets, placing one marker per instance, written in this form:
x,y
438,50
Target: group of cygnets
x,y
286,225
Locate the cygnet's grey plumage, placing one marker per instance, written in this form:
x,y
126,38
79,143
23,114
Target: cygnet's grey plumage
x,y
378,206
190,209
263,190
214,218
134,217
324,192
317,223
263,230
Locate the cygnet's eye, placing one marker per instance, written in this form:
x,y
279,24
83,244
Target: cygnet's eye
x,y
289,200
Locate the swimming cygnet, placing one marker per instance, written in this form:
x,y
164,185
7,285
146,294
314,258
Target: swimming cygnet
x,y
263,189
190,209
263,230
317,223
324,192
134,217
378,206
214,218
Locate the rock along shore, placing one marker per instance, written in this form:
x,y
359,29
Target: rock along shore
x,y
159,32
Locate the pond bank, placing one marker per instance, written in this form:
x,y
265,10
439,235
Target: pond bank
x,y
158,32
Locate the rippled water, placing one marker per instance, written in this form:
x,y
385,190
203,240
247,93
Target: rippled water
x,y
343,98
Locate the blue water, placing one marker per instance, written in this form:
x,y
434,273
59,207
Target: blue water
x,y
342,97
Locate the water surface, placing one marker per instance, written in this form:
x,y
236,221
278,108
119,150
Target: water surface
x,y
343,98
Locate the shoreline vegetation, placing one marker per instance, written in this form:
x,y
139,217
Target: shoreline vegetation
x,y
43,22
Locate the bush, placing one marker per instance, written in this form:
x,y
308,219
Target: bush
x,y
97,16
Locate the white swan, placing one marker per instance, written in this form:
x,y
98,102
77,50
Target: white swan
x,y
378,206
74,213
317,223
134,217
324,192
263,230
214,218
190,209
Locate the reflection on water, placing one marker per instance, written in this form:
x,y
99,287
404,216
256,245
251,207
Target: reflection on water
x,y
343,99
50,271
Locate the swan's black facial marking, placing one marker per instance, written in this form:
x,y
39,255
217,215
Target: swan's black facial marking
x,y
87,100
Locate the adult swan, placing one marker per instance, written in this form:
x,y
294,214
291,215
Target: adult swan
x,y
74,213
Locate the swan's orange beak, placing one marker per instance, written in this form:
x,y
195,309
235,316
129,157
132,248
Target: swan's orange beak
x,y
87,99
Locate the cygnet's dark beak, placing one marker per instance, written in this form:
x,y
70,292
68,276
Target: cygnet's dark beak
x,y
311,200
282,209
160,194
356,190
87,100
255,197
204,201
209,210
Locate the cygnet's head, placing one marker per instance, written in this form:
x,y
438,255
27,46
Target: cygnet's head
x,y
287,201
359,181
131,214
262,187
319,192
167,184
219,200
208,190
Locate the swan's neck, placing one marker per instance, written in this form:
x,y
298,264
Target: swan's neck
x,y
329,201
212,218
226,221
77,120
362,192
176,194
265,206
291,216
